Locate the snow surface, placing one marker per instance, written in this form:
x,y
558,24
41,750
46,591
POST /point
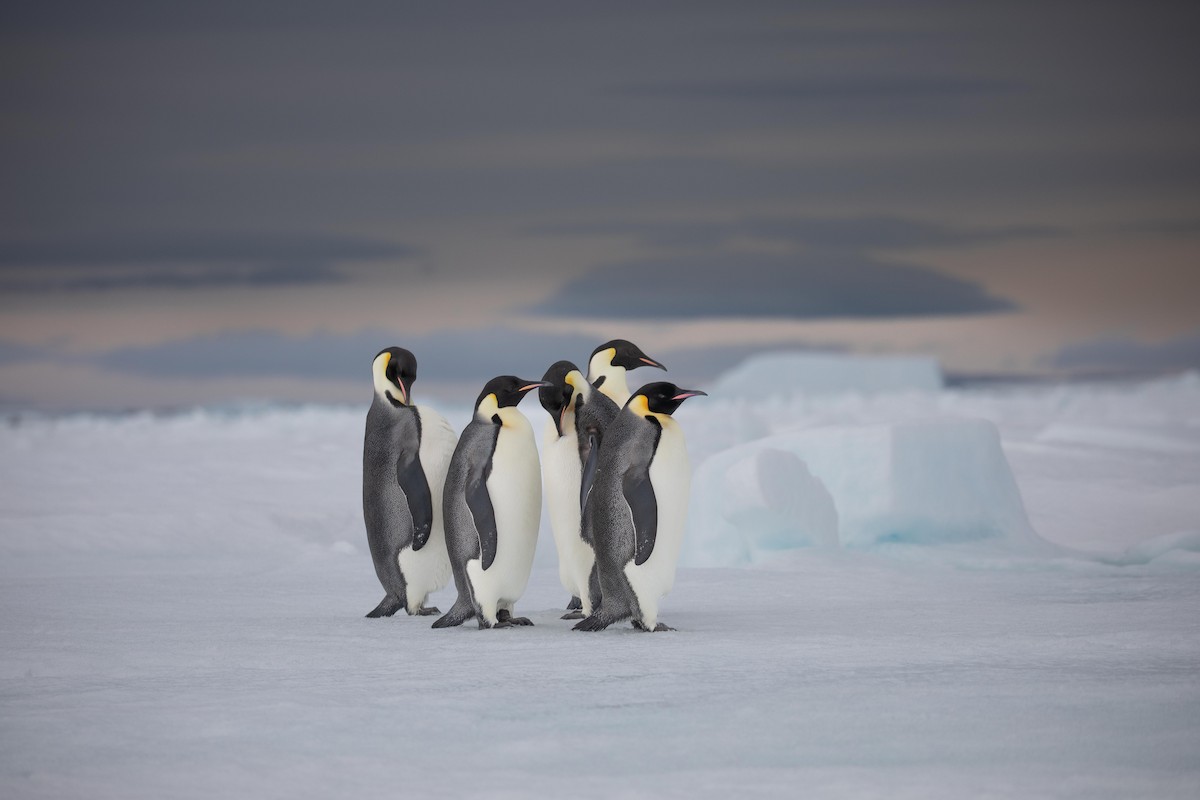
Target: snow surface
x,y
917,593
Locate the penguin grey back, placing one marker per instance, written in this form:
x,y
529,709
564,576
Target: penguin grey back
x,y
627,450
470,466
397,504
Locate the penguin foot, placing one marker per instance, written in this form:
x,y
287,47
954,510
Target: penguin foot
x,y
386,608
428,611
575,605
505,619
572,615
659,628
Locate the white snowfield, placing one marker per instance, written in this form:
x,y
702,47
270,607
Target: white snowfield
x,y
908,592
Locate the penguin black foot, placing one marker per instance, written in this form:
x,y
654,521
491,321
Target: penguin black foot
x,y
428,611
575,605
387,607
505,619
513,622
659,628
573,615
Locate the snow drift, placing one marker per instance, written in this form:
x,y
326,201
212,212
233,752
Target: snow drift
x,y
925,483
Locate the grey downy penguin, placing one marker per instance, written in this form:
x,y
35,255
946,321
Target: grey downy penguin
x,y
406,452
608,364
579,414
635,508
493,506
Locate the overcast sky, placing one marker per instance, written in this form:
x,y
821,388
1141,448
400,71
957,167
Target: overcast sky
x,y
223,201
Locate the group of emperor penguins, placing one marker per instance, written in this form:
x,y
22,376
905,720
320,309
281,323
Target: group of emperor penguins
x,y
616,475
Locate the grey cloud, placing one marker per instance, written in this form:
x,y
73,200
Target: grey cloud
x,y
457,358
1123,355
827,90
16,352
1182,227
183,260
851,233
803,286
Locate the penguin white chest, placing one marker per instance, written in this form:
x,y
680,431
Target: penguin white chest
x,y
515,489
671,477
428,569
563,476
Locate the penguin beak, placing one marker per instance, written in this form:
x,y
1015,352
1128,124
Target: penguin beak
x,y
529,386
686,393
403,391
650,362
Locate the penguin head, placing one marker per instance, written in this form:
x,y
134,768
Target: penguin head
x,y
501,393
660,398
561,383
394,371
619,353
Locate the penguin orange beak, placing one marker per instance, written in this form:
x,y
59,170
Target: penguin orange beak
x,y
650,362
686,393
529,386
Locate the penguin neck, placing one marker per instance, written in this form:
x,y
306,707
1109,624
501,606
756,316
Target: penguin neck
x,y
388,402
490,412
610,380
566,419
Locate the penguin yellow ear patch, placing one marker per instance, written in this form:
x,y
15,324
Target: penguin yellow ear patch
x,y
640,405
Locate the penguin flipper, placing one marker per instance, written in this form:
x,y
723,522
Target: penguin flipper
x,y
480,504
411,477
589,467
388,606
639,494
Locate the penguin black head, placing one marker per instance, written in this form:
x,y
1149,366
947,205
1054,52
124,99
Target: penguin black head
x,y
626,354
394,370
507,391
660,398
558,390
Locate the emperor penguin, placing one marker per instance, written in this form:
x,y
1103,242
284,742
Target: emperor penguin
x,y
493,506
406,452
635,507
579,413
608,364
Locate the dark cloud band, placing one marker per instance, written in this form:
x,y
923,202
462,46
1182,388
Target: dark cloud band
x,y
803,286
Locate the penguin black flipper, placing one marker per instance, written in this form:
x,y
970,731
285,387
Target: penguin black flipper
x,y
639,494
589,468
484,516
411,477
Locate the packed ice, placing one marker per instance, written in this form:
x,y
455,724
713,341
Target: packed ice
x,y
888,589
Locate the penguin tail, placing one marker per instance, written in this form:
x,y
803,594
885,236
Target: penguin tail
x,y
388,606
460,612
